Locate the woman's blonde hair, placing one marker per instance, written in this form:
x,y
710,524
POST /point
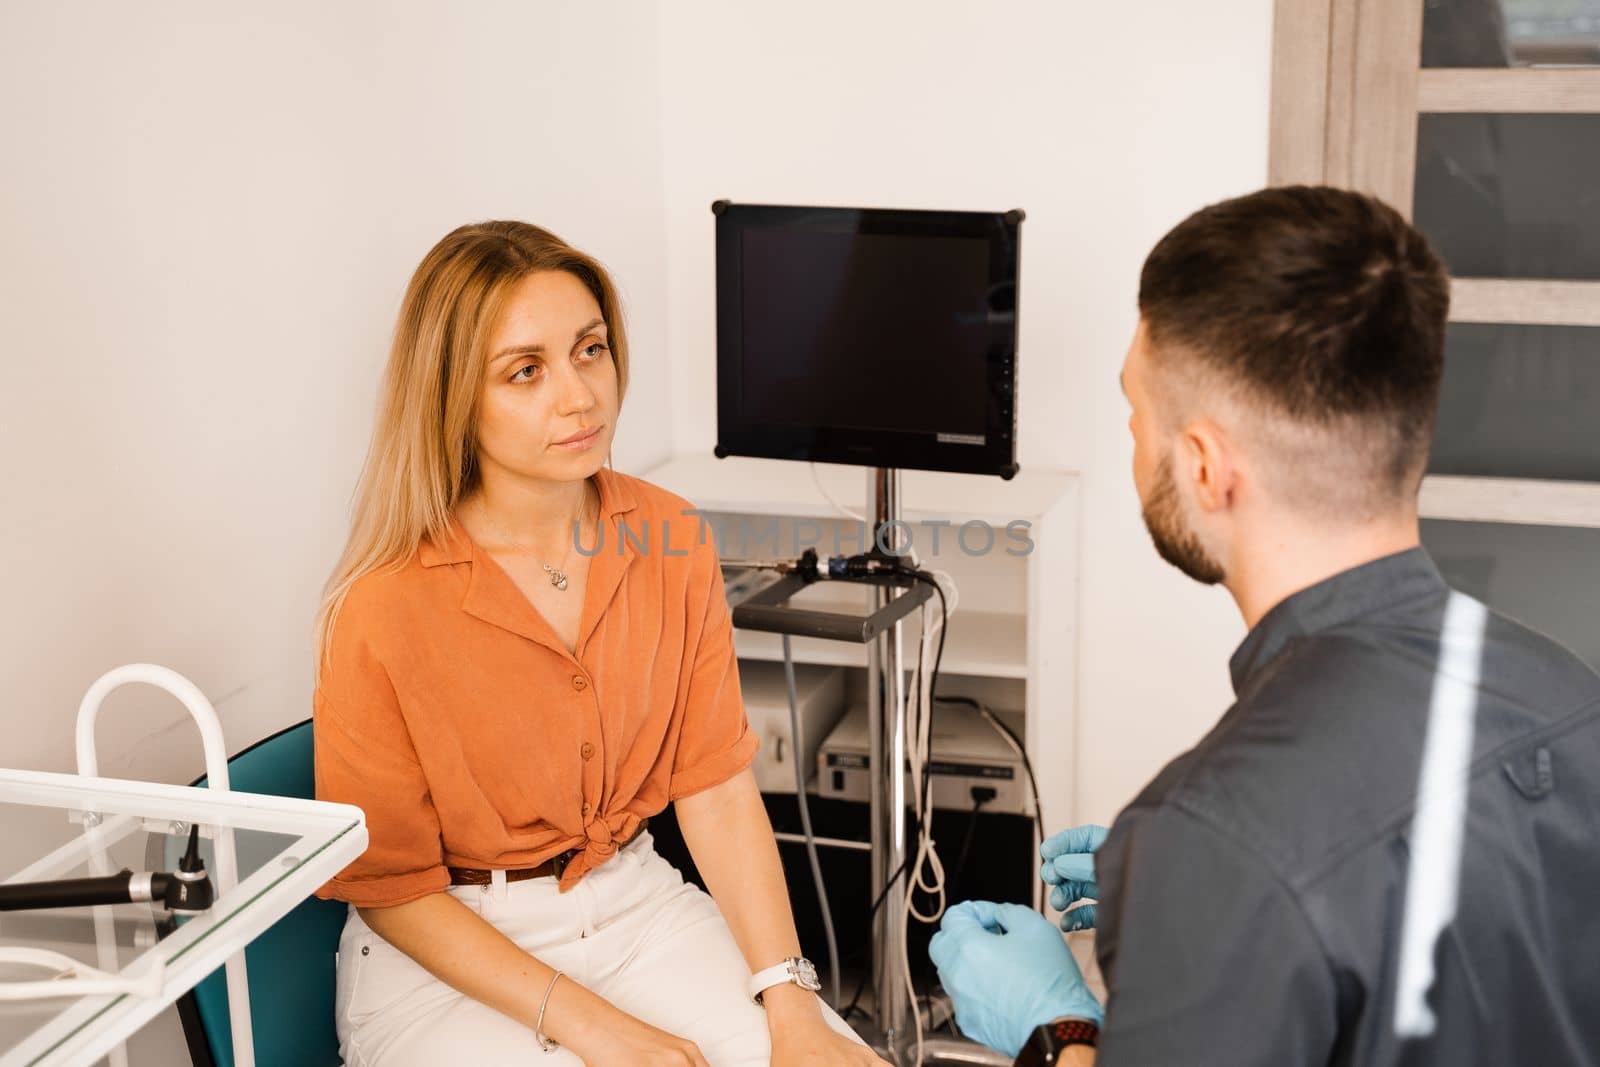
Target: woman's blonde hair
x,y
422,459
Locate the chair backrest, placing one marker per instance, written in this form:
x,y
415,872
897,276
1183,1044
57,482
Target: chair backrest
x,y
291,966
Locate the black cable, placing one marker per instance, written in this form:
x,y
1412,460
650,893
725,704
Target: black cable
x,y
966,842
927,784
953,881
1027,764
861,985
938,656
927,790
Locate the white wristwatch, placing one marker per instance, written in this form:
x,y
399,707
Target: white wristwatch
x,y
797,969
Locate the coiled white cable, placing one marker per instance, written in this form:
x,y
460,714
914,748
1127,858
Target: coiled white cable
x,y
919,727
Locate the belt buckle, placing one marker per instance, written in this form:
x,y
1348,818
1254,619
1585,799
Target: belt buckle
x,y
558,864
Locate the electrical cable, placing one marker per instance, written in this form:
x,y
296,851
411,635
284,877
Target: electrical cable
x,y
1010,737
922,807
861,983
925,730
913,711
923,791
797,745
817,478
917,707
966,842
919,755
918,701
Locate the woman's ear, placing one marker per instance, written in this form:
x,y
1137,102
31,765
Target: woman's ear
x,y
1207,460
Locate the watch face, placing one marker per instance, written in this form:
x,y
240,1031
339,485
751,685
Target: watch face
x,y
805,973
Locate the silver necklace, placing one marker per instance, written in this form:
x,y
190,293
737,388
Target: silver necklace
x,y
558,576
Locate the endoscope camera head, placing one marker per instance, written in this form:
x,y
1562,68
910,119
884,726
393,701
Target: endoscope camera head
x,y
188,889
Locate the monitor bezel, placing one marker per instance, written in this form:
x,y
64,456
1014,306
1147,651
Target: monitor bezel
x,y
741,435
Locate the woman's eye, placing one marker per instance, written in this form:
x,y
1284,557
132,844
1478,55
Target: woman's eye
x,y
525,374
593,351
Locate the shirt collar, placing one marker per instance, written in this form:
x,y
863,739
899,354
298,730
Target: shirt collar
x,y
1349,595
454,546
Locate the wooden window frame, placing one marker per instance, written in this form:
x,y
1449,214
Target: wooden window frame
x,y
1347,87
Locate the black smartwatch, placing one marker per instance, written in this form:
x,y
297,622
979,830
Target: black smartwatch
x,y
1046,1042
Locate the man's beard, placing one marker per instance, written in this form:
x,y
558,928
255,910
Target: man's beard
x,y
1174,539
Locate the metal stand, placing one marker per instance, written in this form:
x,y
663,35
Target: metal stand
x,y
886,726
893,600
886,701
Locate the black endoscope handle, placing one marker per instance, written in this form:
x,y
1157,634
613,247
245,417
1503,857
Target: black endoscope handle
x,y
67,893
188,889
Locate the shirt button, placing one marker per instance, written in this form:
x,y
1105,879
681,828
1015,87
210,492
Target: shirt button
x,y
588,750
588,809
578,681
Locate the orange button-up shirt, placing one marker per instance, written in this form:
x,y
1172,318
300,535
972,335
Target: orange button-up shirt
x,y
451,713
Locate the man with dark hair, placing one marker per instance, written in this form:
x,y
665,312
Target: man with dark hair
x,y
1258,903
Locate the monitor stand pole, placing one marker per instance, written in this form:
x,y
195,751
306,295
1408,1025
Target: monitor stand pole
x,y
886,684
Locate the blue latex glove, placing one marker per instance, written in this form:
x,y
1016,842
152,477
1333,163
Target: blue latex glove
x,y
1069,867
1007,970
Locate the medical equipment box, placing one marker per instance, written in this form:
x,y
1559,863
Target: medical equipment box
x,y
968,753
766,701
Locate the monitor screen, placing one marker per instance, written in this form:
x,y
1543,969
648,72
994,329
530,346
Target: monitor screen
x,y
873,337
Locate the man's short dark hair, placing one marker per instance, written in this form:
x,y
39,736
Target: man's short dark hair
x,y
1320,304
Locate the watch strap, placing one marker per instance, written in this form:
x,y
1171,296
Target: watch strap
x,y
1045,1044
787,971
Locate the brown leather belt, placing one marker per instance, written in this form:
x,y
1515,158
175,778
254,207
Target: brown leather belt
x,y
552,867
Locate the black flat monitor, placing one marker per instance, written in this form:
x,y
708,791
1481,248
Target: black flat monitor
x,y
882,338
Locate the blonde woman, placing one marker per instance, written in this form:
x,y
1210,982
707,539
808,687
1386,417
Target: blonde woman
x,y
523,655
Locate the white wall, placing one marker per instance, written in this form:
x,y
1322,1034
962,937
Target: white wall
x,y
1107,123
209,215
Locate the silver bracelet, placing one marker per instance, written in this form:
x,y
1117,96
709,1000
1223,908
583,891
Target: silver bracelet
x,y
538,1027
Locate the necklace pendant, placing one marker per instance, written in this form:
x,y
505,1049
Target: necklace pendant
x,y
559,581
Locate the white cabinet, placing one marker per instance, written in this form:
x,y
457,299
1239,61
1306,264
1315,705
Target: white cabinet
x,y
1011,547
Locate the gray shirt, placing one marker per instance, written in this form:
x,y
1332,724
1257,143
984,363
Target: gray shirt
x,y
1252,895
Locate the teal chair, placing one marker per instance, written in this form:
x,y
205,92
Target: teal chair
x,y
291,966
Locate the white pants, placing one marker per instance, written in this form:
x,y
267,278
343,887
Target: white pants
x,y
632,931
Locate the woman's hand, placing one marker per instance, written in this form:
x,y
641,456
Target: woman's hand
x,y
730,838
819,1045
626,1039
802,1038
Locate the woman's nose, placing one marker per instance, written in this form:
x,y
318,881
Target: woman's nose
x,y
575,395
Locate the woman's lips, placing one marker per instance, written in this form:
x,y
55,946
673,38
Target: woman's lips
x,y
578,444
